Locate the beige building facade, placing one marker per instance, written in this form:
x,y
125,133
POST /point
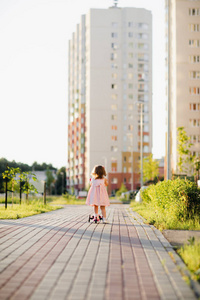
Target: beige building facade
x,y
183,38
110,75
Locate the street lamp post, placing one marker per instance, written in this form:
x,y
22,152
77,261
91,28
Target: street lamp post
x,y
141,104
168,96
141,142
131,139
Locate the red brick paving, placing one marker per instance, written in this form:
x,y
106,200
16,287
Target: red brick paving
x,y
64,257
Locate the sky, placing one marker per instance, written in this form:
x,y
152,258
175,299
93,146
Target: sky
x,y
34,37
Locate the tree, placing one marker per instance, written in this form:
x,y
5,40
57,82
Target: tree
x,y
197,167
42,167
150,168
10,175
50,179
185,158
61,181
28,187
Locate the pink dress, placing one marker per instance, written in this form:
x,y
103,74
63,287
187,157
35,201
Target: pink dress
x,y
97,194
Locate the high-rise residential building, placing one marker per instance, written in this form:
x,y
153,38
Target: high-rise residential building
x,y
183,79
110,75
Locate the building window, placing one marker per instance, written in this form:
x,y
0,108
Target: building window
x,y
194,106
130,96
142,26
143,46
194,58
114,160
114,46
114,180
114,75
195,139
113,56
130,75
194,27
113,117
114,86
114,107
130,107
114,24
146,118
130,55
130,24
130,45
130,86
130,66
194,11
146,138
195,122
143,57
194,43
142,36
114,96
114,127
194,74
130,34
130,127
113,66
130,116
146,108
114,148
146,149
114,138
114,35
194,90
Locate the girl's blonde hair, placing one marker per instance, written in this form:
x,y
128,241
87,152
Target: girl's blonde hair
x,y
98,172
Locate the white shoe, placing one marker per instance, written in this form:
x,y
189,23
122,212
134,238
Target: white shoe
x,y
105,221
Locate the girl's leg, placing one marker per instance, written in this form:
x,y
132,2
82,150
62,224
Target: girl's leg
x,y
96,210
103,210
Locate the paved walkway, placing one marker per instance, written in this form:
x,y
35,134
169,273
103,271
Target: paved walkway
x,y
59,255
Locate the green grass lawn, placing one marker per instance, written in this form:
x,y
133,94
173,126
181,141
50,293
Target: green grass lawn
x,y
35,206
191,256
154,218
25,210
65,200
189,253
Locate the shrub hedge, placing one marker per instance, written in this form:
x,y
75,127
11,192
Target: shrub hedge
x,y
178,199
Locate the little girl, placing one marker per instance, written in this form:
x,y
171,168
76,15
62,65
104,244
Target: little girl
x,y
97,195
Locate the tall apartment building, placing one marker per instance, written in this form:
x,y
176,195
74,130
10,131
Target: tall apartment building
x,y
110,73
183,38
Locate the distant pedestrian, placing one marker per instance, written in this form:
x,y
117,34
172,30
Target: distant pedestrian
x,y
97,195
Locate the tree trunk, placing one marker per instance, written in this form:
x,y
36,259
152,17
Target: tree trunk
x,y
12,192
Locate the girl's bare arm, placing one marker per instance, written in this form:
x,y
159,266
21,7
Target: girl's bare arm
x,y
105,182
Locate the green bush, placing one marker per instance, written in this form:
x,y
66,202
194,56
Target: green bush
x,y
178,199
122,189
